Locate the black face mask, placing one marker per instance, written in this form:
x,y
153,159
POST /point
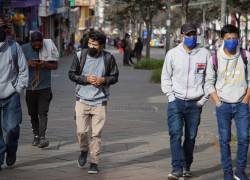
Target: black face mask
x,y
2,35
93,52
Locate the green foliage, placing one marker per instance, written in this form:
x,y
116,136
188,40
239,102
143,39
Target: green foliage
x,y
149,64
156,75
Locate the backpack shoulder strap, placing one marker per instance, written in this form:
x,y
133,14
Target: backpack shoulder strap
x,y
215,60
83,57
14,53
243,54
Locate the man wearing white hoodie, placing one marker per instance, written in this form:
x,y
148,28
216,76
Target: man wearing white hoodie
x,y
13,79
227,83
182,80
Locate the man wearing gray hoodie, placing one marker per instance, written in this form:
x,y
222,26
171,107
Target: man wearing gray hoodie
x,y
182,80
228,84
13,78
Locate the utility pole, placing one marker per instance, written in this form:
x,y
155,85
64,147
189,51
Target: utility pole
x,y
168,25
223,12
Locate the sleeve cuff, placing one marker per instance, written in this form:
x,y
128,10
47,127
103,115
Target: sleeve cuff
x,y
171,98
19,89
202,101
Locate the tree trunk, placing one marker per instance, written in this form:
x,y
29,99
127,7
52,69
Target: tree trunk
x,y
223,12
149,31
140,29
133,34
184,18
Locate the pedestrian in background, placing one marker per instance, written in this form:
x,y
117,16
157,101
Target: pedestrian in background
x,y
127,46
182,81
93,70
228,84
138,49
13,79
42,57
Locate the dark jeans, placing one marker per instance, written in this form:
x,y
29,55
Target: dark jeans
x,y
240,113
127,57
183,114
10,118
38,107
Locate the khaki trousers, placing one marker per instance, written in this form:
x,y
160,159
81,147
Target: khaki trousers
x,y
90,117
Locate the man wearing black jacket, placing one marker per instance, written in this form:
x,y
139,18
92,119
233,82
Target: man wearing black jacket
x,y
93,70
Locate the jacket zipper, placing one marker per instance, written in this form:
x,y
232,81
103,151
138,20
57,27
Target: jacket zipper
x,y
188,75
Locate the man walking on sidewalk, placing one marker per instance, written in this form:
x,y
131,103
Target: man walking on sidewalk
x,y
42,57
93,70
228,82
13,79
182,81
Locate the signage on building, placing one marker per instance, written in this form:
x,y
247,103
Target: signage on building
x,y
82,2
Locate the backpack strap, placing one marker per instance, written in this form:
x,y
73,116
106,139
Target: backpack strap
x,y
83,56
14,54
243,54
215,60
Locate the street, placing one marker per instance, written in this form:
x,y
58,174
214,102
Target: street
x,y
135,138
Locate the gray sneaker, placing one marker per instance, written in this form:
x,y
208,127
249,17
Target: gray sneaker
x,y
174,175
43,143
187,174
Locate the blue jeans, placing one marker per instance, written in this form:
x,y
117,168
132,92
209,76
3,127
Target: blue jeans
x,y
240,113
183,114
10,118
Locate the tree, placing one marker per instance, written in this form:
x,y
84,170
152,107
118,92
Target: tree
x,y
148,10
136,10
239,8
185,11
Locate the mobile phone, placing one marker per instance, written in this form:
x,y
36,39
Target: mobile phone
x,y
36,60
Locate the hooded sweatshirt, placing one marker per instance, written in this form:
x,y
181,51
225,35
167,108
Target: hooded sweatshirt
x,y
11,80
231,79
183,74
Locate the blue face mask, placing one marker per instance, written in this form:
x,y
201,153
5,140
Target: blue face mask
x,y
190,42
231,44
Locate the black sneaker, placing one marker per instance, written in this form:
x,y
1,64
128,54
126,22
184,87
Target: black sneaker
x,y
175,175
10,159
36,141
240,175
43,143
82,159
93,168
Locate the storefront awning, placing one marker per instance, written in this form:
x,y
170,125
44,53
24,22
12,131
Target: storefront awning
x,y
24,3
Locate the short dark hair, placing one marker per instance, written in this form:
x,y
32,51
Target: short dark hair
x,y
98,36
229,28
36,36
